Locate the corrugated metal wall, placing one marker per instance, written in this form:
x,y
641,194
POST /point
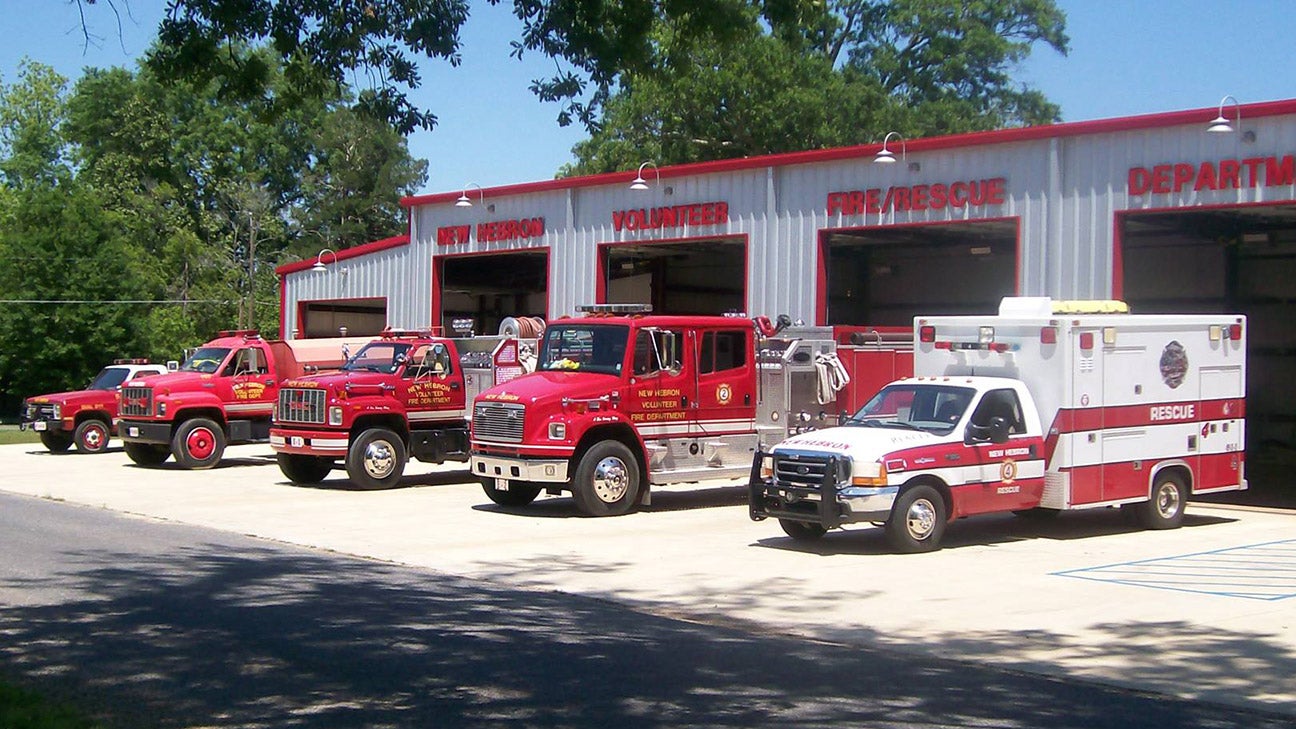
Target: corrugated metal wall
x,y
1064,192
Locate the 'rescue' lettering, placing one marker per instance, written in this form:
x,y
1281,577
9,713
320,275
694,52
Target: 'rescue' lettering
x,y
961,194
1174,412
1226,174
677,216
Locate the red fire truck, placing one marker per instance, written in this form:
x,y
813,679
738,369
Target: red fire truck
x,y
223,394
1045,407
623,401
83,417
403,395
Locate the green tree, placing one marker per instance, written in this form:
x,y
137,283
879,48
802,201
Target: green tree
x,y
32,150
814,76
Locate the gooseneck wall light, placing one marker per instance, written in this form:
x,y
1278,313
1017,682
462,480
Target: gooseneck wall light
x,y
639,183
885,156
319,264
464,201
1220,124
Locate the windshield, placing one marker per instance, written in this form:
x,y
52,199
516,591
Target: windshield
x,y
931,408
384,357
206,359
584,348
109,378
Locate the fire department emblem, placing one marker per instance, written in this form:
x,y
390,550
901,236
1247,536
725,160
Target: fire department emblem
x,y
1008,471
1174,364
724,394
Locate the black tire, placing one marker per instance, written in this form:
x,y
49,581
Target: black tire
x,y
1165,509
518,493
147,454
198,443
55,442
917,520
376,459
607,480
304,469
91,436
802,531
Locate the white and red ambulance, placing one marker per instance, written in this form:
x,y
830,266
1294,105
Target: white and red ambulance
x,y
1045,406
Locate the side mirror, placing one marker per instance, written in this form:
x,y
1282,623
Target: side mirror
x,y
173,366
996,431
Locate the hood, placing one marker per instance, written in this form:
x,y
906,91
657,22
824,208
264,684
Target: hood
x,y
171,381
862,443
76,397
553,386
361,383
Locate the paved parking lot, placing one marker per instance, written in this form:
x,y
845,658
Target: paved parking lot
x,y
1206,611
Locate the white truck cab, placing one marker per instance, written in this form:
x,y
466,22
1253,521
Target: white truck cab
x,y
1045,406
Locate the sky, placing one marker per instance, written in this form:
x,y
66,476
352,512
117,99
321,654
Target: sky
x,y
1127,58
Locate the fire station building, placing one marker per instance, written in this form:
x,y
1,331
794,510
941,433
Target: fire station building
x,y
1181,212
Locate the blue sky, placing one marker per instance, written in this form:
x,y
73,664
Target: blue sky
x,y
1127,58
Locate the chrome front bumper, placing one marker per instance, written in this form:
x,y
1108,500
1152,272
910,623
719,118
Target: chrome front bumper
x,y
544,470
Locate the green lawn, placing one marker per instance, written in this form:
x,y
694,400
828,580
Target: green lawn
x,y
10,434
21,709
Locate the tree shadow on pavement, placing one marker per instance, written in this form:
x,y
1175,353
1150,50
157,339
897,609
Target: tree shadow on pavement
x,y
227,632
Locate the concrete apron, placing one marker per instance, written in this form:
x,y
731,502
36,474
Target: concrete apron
x,y
1202,612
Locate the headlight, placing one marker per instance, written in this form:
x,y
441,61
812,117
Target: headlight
x,y
335,415
58,411
557,431
161,409
843,469
767,467
878,480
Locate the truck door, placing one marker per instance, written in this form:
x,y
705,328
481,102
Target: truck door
x,y
726,397
662,391
431,386
1222,390
1011,473
252,385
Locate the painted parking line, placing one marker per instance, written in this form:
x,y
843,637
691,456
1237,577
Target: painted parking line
x,y
1256,572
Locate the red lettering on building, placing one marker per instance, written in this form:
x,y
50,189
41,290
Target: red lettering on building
x,y
502,230
1225,174
678,216
938,196
453,235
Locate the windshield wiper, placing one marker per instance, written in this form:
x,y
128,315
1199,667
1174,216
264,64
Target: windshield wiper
x,y
898,424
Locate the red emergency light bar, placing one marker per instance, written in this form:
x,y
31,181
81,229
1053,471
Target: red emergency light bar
x,y
136,360
245,333
410,333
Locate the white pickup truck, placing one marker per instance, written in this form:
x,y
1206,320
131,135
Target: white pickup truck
x,y
1036,408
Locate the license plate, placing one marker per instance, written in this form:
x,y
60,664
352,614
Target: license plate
x,y
40,425
501,484
132,432
297,441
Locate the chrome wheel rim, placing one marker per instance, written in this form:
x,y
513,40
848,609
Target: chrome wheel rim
x,y
611,480
379,461
1167,500
921,519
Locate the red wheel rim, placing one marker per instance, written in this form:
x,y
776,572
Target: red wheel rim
x,y
94,437
201,443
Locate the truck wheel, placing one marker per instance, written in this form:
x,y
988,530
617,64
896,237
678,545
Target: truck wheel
x,y
802,531
55,442
1165,510
147,454
607,480
91,436
198,443
917,520
518,493
304,469
376,459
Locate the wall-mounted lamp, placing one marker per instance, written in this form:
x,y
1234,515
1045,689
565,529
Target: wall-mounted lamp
x,y
639,183
1220,124
464,202
319,260
885,156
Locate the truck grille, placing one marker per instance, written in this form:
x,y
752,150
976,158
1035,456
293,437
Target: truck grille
x,y
40,411
498,421
800,470
136,401
301,406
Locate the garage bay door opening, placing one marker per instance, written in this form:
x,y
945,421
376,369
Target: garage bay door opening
x,y
1228,261
885,276
487,289
687,277
342,317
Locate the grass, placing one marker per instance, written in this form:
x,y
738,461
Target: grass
x,y
9,434
22,709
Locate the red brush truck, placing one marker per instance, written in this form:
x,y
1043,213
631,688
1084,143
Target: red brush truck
x,y
223,394
83,417
404,395
623,401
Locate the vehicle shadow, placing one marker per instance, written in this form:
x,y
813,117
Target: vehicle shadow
x,y
982,531
338,481
564,507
